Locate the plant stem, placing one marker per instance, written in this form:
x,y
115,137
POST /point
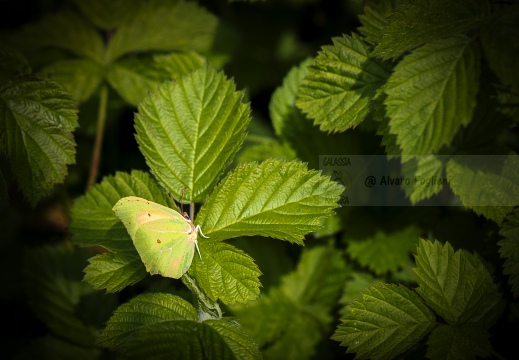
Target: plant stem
x,y
98,145
207,308
192,211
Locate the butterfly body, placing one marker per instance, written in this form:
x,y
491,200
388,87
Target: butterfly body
x,y
164,238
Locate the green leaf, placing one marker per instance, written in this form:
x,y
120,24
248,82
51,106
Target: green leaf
x,y
457,286
388,140
134,78
388,320
290,320
294,128
95,224
164,26
338,91
487,184
275,199
106,14
509,250
66,30
509,104
267,318
211,339
374,19
496,39
421,21
354,287
241,345
189,131
431,93
267,149
37,120
422,168
458,342
142,311
298,341
12,63
177,64
226,273
385,252
318,279
81,77
52,282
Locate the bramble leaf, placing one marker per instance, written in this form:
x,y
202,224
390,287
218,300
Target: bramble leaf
x,y
385,322
65,30
163,26
337,92
266,149
275,199
420,170
81,77
226,273
52,282
211,339
458,342
354,287
487,184
12,63
37,120
457,286
431,93
189,131
141,311
496,39
294,128
374,19
106,14
286,322
509,250
95,224
385,252
416,22
134,78
177,64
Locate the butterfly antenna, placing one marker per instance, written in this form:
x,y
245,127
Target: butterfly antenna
x,y
198,229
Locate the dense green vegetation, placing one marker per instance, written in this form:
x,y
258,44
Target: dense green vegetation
x,y
251,116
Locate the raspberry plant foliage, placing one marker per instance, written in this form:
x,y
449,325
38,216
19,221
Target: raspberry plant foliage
x,y
153,87
188,131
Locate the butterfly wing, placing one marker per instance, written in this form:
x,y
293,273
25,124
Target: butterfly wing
x,y
163,238
166,246
135,211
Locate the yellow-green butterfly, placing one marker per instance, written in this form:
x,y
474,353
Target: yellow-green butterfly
x,y
164,238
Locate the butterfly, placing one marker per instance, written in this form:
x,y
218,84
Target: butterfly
x,y
164,238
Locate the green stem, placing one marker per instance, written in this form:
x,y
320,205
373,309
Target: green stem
x,y
207,308
192,211
98,145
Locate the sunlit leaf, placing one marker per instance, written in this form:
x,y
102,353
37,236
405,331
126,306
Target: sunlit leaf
x,y
431,93
189,131
337,92
386,321
226,273
275,199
